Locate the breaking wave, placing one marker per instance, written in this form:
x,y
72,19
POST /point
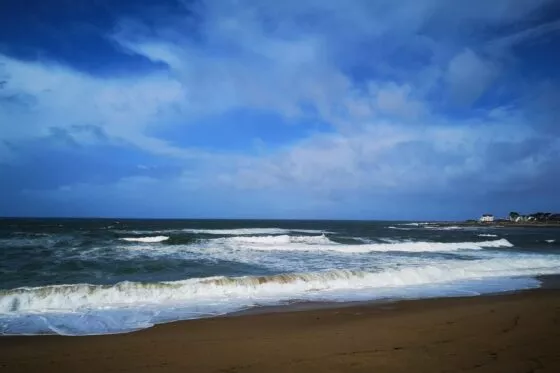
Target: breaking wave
x,y
425,225
250,231
487,235
322,243
282,239
85,297
443,228
146,239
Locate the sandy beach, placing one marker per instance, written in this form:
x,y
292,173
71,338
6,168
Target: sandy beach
x,y
504,333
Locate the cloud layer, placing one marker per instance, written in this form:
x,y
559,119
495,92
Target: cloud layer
x,y
358,110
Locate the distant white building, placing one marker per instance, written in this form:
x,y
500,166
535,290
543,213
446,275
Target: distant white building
x,y
487,218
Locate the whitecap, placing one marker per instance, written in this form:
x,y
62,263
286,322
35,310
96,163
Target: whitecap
x,y
282,239
147,239
251,231
443,228
419,246
99,309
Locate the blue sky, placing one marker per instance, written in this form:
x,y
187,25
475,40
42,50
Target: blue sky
x,y
363,109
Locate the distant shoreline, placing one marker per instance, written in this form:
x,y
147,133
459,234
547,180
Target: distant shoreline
x,y
503,224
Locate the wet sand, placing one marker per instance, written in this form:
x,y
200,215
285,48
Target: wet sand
x,y
506,333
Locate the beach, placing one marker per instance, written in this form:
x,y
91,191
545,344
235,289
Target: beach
x,y
96,295
511,333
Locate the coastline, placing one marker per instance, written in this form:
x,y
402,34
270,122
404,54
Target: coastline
x,y
514,332
498,224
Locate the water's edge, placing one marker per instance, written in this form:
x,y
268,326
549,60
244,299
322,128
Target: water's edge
x,y
546,282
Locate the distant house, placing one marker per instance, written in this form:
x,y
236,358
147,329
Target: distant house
x,y
536,217
487,218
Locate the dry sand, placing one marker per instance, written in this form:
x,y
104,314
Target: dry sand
x,y
508,333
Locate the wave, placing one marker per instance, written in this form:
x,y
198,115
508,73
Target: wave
x,y
414,226
487,235
85,297
366,248
425,225
250,231
148,239
390,240
35,240
550,241
443,228
282,239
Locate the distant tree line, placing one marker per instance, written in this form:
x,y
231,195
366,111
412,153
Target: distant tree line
x,y
537,217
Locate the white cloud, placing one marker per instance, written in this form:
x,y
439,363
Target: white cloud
x,y
289,58
375,166
257,54
527,34
38,97
469,75
390,156
394,99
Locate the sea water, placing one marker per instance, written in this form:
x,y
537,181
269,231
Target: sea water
x,y
83,276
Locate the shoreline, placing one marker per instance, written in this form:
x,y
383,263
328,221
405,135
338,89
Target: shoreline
x,y
467,289
497,224
513,332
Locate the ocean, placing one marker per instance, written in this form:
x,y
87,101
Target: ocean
x,y
101,276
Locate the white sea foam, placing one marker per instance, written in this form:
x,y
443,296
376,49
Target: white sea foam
x,y
389,240
425,225
280,240
550,241
443,228
23,309
223,232
487,235
417,224
250,231
147,239
285,244
80,296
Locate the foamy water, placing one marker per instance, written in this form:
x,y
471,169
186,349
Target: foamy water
x,y
250,231
146,239
324,244
146,273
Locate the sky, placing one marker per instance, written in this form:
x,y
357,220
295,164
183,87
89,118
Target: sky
x,y
293,109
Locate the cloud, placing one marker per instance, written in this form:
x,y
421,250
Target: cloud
x,y
469,76
40,97
524,35
396,100
388,102
364,174
402,159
